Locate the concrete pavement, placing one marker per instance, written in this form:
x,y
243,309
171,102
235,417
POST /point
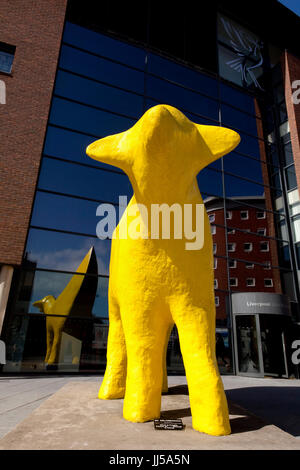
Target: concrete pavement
x,y
272,420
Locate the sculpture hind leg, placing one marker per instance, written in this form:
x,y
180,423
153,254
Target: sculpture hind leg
x,y
207,397
113,385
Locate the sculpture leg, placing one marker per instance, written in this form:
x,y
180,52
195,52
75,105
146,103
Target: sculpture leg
x,y
145,340
113,385
54,355
207,397
165,387
49,338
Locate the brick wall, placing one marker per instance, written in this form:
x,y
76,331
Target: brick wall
x,y
291,72
35,28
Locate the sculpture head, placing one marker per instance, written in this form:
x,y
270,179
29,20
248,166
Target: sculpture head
x,y
44,305
164,141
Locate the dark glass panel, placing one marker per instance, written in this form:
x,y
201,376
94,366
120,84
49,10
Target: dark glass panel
x,y
182,75
101,69
243,166
67,213
104,45
249,146
210,182
83,118
240,100
83,181
166,30
181,98
71,146
64,252
288,154
234,186
97,94
233,118
291,179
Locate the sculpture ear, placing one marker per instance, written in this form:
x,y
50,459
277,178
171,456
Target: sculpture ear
x,y
219,140
110,150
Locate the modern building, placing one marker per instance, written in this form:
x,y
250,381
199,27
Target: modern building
x,y
72,72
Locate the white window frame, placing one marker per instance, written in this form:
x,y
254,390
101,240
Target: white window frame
x,y
250,279
234,263
261,212
268,248
268,263
268,279
217,301
216,283
249,267
236,283
213,229
234,247
247,215
230,231
215,247
215,263
228,215
262,234
250,249
212,217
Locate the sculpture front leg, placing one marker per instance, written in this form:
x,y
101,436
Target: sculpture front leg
x,y
113,385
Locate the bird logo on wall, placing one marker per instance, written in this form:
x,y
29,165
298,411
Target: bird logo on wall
x,y
249,53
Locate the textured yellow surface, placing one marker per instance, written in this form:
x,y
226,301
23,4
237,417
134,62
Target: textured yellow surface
x,y
155,283
61,306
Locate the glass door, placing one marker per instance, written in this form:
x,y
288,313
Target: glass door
x,y
248,351
273,345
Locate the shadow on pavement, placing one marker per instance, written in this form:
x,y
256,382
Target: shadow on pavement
x,y
244,422
278,405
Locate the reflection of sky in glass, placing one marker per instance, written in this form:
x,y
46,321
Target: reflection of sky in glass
x,y
62,251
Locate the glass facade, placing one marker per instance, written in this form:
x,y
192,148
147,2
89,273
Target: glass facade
x,y
102,87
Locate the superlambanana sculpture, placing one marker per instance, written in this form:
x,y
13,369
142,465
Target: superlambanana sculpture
x,y
76,299
155,283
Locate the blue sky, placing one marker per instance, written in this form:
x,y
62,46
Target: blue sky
x,y
293,5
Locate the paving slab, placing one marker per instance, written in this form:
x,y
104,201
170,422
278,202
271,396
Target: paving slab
x,y
74,418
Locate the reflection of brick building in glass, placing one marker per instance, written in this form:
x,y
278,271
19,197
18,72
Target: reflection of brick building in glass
x,y
251,249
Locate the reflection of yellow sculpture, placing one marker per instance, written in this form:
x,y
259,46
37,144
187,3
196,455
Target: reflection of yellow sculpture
x,y
155,283
66,304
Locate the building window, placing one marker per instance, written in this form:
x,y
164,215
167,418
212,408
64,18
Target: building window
x,y
249,265
233,282
232,263
262,231
260,215
230,231
268,282
212,217
215,263
248,247
250,282
231,247
228,215
267,265
244,215
264,246
7,53
213,229
216,283
217,301
214,248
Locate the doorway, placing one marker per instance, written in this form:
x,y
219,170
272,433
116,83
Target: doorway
x,y
260,345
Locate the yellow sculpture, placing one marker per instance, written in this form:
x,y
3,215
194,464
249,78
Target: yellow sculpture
x,y
155,283
76,300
